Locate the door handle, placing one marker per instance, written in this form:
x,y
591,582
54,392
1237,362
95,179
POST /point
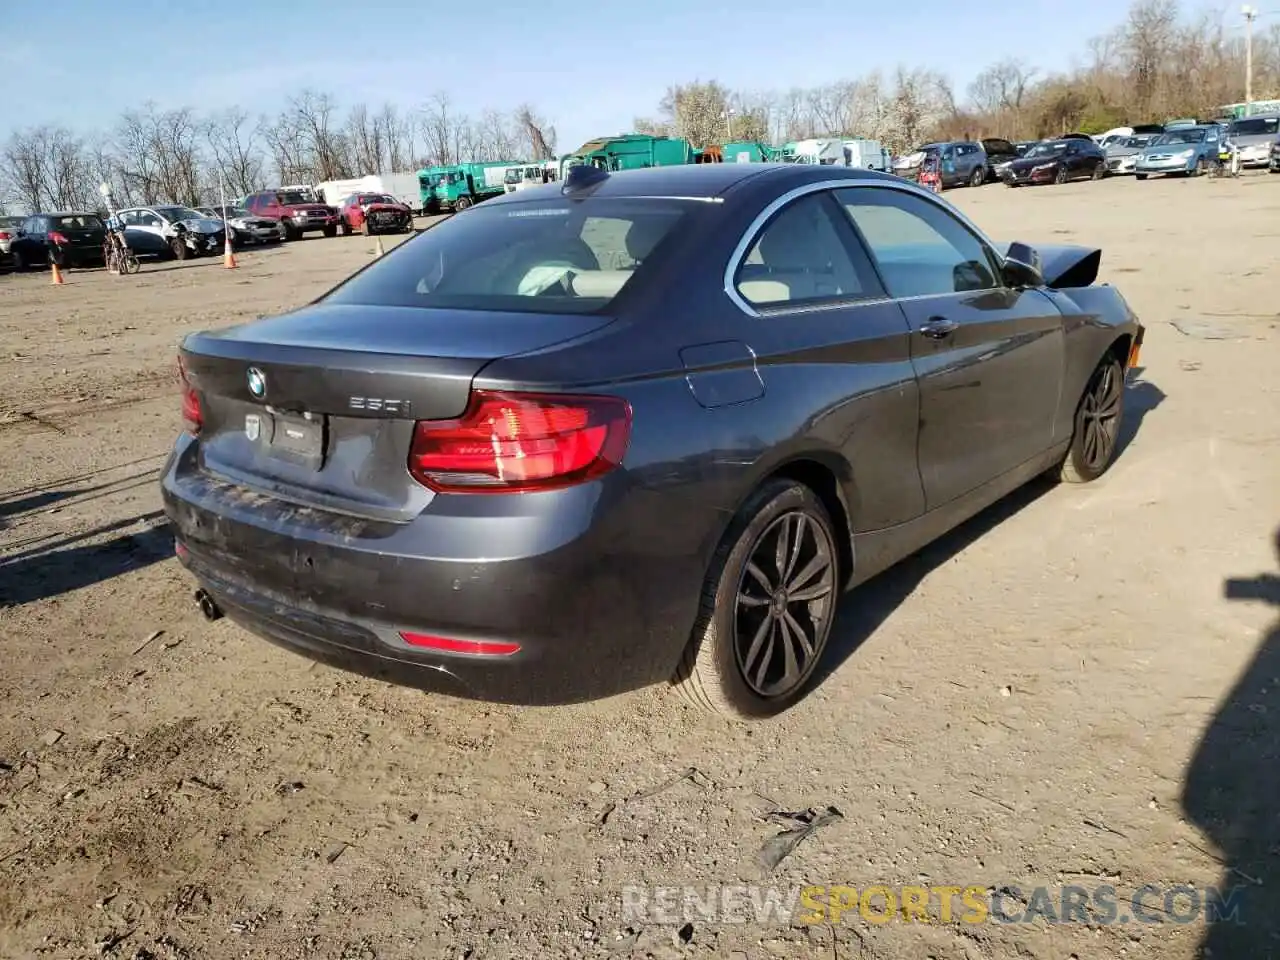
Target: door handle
x,y
935,328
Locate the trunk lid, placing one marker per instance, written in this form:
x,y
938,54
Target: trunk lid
x,y
318,406
78,236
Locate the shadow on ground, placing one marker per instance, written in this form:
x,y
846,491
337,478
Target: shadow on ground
x,y
1232,793
29,501
70,563
863,611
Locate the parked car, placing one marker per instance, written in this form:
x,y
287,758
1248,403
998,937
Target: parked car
x,y
171,230
297,213
408,476
962,162
374,213
1122,154
1183,149
8,230
1273,165
246,229
1117,134
1057,161
73,237
1000,153
1253,136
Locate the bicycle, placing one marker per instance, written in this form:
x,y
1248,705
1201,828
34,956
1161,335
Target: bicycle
x,y
1228,164
119,258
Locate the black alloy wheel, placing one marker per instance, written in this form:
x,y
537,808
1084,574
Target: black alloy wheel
x,y
783,604
1061,176
767,605
1097,426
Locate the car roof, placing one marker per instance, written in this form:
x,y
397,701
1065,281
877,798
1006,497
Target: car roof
x,y
65,213
703,181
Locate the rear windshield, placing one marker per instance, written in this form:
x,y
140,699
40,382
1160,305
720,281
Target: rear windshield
x,y
550,256
1256,127
79,221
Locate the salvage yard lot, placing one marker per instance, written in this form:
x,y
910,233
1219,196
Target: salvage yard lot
x,y
1067,690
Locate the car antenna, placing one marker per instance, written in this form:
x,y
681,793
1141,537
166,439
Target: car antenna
x,y
582,176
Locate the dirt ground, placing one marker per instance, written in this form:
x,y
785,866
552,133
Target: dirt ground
x,y
1079,687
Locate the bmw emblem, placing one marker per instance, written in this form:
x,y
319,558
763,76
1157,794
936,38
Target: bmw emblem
x,y
257,383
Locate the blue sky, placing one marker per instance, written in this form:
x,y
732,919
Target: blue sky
x,y
590,67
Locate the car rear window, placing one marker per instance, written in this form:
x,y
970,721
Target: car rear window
x,y
1256,127
547,256
83,221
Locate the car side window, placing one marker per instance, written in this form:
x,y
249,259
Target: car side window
x,y
800,258
920,248
147,219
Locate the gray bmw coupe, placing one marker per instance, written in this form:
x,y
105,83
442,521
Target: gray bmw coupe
x,y
634,427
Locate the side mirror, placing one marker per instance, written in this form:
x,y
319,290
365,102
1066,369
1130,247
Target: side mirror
x,y
1022,266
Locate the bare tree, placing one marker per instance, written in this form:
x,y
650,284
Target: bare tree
x,y
312,115
237,161
158,155
1148,35
397,134
440,133
364,137
539,135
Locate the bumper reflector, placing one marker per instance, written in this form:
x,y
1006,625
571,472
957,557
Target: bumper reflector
x,y
479,648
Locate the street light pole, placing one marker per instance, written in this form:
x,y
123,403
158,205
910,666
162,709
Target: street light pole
x,y
1250,13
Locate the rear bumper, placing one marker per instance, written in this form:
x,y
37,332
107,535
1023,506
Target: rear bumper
x,y
596,606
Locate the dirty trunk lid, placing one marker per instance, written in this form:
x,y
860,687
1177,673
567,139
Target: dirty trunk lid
x,y
318,406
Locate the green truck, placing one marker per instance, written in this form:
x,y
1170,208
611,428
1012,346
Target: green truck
x,y
458,186
630,151
747,151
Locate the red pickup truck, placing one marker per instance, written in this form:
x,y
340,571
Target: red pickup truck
x,y
296,212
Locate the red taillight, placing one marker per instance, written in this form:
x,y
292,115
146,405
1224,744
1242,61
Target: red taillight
x,y
5,236
479,648
518,442
57,238
192,415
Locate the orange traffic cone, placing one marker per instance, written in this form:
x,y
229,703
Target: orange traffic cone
x,y
377,248
57,274
228,255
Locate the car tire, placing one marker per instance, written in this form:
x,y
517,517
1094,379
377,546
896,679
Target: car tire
x,y
461,204
1062,176
1099,172
1140,176
979,177
1097,424
179,249
711,673
331,231
19,262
